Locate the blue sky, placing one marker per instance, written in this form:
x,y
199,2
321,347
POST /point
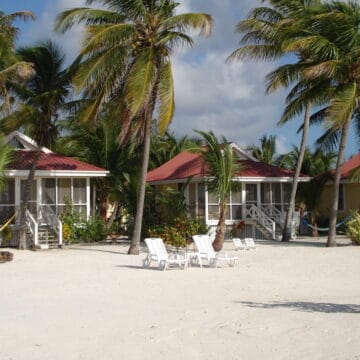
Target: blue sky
x,y
210,94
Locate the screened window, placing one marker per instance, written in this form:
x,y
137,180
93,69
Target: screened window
x,y
57,192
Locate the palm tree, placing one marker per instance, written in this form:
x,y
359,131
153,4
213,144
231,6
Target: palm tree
x,y
164,148
11,68
126,57
336,48
99,146
221,167
266,152
269,33
42,98
6,157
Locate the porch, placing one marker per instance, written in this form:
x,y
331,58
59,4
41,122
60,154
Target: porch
x,y
49,199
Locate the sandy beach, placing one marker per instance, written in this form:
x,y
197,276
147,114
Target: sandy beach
x,y
293,301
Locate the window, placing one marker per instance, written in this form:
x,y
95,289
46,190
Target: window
x,y
56,192
234,206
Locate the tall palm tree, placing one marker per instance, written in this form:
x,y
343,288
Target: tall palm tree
x,y
41,99
126,57
269,33
336,48
221,167
11,68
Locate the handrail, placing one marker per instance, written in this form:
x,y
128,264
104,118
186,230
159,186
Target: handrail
x,y
257,214
52,220
272,212
32,225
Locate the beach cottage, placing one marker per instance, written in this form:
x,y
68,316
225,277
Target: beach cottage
x,y
260,203
349,191
58,180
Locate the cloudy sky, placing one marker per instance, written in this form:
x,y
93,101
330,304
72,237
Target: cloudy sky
x,y
210,94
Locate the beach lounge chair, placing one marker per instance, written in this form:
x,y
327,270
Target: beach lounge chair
x,y
250,244
238,244
207,252
157,252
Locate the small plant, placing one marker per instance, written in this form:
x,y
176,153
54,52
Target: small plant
x,y
353,229
180,233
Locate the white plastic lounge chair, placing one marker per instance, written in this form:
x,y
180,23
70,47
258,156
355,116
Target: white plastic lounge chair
x,y
250,244
207,252
238,244
158,253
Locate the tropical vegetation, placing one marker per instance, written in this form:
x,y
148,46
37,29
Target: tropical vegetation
x,y
126,58
221,166
124,78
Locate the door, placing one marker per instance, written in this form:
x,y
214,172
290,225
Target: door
x,y
251,196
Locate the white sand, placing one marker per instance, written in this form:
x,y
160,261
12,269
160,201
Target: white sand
x,y
296,301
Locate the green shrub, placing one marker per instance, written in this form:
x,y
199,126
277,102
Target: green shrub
x,y
353,229
180,233
77,229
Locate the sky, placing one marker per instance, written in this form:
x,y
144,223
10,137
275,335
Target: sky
x,y
210,94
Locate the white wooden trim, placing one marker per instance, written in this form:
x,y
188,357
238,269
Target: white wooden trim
x,y
56,173
87,198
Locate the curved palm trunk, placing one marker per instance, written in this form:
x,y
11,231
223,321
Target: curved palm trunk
x,y
286,231
220,229
331,242
135,243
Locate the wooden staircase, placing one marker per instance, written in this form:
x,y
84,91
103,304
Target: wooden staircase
x,y
47,237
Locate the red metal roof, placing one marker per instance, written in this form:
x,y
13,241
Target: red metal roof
x,y
350,165
24,159
188,164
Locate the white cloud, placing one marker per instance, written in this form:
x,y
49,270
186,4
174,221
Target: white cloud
x,y
210,94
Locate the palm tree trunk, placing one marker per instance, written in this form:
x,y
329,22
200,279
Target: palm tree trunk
x,y
135,243
331,242
220,229
25,204
286,231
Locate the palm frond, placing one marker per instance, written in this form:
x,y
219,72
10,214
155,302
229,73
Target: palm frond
x,y
140,82
166,97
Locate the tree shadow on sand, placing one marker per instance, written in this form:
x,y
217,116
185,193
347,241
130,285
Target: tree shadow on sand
x,y
306,306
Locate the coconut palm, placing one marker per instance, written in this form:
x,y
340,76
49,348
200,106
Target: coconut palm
x,y
126,57
221,166
11,68
269,33
41,99
336,49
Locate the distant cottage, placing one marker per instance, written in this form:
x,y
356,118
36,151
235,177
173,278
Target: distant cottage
x,y
261,202
57,179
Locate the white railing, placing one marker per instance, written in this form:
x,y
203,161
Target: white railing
x,y
258,215
32,226
273,213
47,214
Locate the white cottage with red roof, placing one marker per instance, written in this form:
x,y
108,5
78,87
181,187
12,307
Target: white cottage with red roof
x,y
261,202
58,179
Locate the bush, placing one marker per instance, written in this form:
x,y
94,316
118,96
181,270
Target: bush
x,y
180,233
353,229
77,229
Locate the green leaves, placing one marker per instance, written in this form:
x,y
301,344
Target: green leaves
x,y
166,97
140,82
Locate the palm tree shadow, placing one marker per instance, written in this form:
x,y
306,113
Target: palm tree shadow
x,y
306,306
